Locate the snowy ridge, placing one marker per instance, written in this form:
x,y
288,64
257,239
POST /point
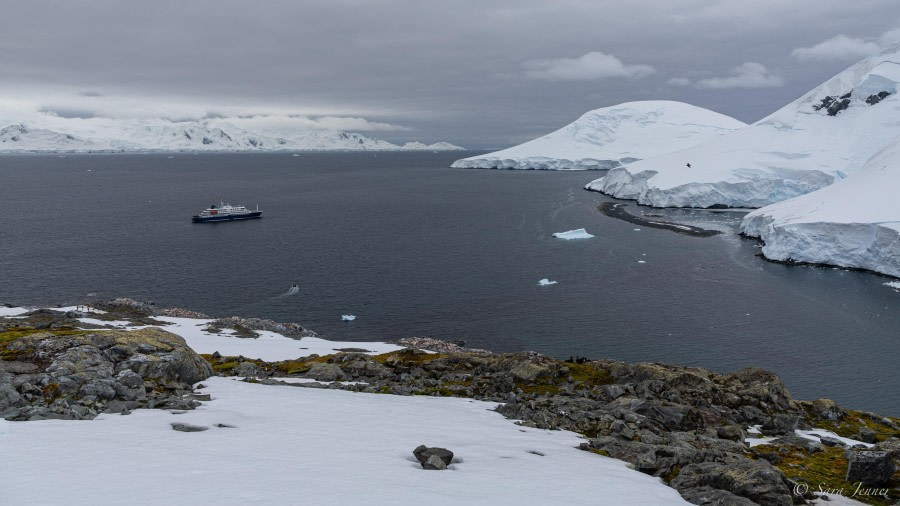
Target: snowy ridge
x,y
610,137
819,138
853,223
204,135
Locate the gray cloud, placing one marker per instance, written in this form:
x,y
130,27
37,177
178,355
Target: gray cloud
x,y
590,66
839,47
746,75
448,70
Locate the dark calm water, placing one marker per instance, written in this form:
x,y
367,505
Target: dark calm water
x,y
416,249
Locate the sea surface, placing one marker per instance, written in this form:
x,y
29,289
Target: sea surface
x,y
413,248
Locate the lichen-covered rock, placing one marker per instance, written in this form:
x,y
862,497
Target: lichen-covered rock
x,y
756,480
870,467
76,375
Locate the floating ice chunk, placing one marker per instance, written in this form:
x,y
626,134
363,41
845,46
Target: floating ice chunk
x,y
546,282
637,230
573,234
642,261
348,317
893,284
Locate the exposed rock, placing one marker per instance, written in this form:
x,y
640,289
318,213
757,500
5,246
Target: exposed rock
x,y
708,496
831,441
732,433
780,424
870,467
826,409
867,435
803,443
433,458
186,427
756,480
325,372
435,463
247,327
77,376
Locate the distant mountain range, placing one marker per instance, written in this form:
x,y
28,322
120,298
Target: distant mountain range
x,y
204,135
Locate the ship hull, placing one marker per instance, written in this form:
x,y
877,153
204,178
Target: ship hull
x,y
232,217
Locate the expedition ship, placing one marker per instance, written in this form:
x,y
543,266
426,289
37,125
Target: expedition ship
x,y
226,212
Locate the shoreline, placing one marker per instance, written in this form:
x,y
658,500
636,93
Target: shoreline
x,y
617,210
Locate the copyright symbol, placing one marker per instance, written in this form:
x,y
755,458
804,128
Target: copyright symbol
x,y
801,489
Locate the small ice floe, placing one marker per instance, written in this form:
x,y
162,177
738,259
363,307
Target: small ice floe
x,y
893,284
637,230
295,154
642,261
546,282
573,234
348,317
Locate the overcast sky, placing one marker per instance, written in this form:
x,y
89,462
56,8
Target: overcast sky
x,y
476,73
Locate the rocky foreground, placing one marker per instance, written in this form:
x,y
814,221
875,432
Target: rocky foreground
x,y
685,425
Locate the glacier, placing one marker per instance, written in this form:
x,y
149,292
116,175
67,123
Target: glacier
x,y
822,137
610,137
105,135
852,223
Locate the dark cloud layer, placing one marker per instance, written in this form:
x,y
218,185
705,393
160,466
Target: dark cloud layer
x,y
476,73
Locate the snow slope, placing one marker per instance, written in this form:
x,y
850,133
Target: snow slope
x,y
292,445
205,135
808,144
22,138
611,136
852,223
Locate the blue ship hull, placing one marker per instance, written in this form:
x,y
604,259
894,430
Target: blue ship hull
x,y
233,217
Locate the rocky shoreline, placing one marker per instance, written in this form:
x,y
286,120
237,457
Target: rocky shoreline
x,y
688,426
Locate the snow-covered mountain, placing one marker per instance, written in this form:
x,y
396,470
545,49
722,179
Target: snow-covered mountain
x,y
819,138
610,137
21,138
204,135
852,223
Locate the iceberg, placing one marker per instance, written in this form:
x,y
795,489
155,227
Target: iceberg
x,y
610,137
573,234
818,139
348,317
546,282
852,223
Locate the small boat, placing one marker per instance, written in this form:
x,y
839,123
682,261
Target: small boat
x,y
226,212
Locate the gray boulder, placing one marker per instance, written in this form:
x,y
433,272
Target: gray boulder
x,y
433,458
867,435
870,467
780,424
186,427
325,372
756,480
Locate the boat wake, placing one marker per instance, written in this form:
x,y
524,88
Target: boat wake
x,y
291,291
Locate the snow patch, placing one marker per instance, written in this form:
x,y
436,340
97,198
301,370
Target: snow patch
x,y
329,446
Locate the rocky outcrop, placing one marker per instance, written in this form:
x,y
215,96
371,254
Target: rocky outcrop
x,y
249,327
683,424
78,374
